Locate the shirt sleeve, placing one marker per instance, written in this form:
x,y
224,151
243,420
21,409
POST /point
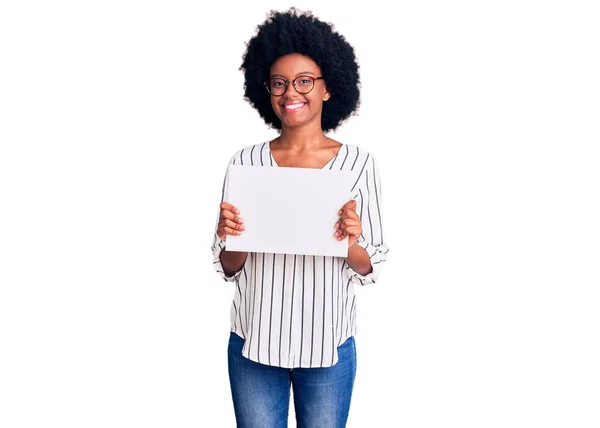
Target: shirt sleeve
x,y
218,245
368,207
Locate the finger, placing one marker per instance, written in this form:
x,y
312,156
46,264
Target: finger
x,y
231,224
229,207
343,223
228,231
352,225
343,217
349,214
350,231
226,214
352,214
351,204
233,218
353,231
349,222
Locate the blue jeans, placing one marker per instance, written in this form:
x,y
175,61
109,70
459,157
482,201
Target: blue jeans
x,y
261,393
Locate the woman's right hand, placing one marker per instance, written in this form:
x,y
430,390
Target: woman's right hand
x,y
230,223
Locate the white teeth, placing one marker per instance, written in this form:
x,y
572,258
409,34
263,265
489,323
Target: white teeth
x,y
294,106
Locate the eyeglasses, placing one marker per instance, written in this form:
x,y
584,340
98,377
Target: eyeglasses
x,y
302,84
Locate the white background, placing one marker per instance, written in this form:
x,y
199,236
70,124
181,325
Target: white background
x,y
118,118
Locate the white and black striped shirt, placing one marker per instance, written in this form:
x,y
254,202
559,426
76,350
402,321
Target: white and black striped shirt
x,y
295,310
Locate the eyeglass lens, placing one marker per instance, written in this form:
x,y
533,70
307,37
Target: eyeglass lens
x,y
303,85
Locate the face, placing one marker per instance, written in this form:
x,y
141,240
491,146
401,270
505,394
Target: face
x,y
293,108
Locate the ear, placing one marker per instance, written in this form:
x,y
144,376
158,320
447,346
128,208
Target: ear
x,y
326,95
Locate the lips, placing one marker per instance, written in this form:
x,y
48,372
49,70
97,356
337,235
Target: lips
x,y
293,107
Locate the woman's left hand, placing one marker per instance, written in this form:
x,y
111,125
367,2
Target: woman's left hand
x,y
349,223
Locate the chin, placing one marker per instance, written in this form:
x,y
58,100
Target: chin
x,y
294,124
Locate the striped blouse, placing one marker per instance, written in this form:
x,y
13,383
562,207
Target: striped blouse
x,y
295,310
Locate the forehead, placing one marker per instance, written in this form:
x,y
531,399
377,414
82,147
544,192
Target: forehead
x,y
294,64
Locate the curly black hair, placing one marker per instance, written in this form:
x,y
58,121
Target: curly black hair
x,y
293,31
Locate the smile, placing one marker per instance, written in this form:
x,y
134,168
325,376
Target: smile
x,y
293,108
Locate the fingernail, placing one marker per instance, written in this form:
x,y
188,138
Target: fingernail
x,y
237,211
340,212
241,220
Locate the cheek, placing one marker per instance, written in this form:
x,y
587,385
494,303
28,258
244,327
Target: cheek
x,y
316,102
274,105
318,96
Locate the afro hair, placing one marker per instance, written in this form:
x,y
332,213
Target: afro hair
x,y
293,31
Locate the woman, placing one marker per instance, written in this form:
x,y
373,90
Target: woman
x,y
293,317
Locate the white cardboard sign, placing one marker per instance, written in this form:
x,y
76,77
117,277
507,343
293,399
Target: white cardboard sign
x,y
288,210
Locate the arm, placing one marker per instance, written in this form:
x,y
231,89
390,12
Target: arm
x,y
232,262
228,264
368,254
358,259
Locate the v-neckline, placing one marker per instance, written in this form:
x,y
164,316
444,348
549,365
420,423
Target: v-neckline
x,y
323,167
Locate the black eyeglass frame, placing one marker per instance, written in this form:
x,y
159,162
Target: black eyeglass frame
x,y
287,82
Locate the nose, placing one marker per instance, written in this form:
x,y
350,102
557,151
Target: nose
x,y
290,90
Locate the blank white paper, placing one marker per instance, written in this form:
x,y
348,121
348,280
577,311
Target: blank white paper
x,y
288,210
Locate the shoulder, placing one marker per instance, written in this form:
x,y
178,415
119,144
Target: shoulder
x,y
359,157
250,154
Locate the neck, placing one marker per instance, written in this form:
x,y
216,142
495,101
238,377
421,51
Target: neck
x,y
301,139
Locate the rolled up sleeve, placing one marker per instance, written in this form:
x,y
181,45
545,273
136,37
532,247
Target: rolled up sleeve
x,y
218,245
368,208
217,248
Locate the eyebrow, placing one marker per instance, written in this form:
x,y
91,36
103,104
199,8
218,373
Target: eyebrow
x,y
299,74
